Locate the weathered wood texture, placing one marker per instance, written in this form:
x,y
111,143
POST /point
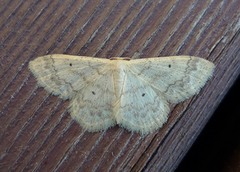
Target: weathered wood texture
x,y
36,131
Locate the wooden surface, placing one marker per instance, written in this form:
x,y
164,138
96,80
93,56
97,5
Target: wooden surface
x,y
36,131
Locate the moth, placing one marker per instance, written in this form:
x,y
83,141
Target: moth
x,y
134,94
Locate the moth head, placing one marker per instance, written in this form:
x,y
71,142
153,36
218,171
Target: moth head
x,y
120,58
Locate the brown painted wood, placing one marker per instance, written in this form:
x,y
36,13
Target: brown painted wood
x,y
36,131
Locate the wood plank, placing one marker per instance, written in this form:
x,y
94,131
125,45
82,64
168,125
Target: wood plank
x,y
36,131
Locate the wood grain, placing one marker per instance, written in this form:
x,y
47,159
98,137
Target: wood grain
x,y
36,131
